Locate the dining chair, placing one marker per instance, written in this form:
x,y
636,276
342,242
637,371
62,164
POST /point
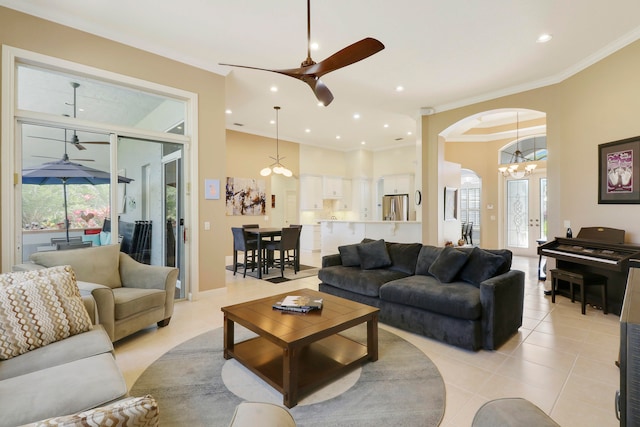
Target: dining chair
x,y
240,243
288,242
248,238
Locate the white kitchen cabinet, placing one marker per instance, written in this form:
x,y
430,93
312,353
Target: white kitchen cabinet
x,y
346,202
332,187
361,196
310,238
310,192
398,184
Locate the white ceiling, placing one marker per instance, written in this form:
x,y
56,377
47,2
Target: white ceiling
x,y
446,53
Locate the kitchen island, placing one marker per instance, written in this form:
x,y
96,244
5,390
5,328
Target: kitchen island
x,y
334,233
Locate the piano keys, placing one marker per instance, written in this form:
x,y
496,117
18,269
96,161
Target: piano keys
x,y
594,256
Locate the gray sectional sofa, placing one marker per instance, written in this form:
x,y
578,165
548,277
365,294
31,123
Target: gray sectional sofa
x,y
467,297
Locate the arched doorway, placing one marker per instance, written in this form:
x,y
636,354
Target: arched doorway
x,y
480,143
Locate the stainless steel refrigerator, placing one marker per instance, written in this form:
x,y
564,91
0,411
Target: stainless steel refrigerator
x,y
395,207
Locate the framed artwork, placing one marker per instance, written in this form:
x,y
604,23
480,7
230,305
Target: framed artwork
x,y
212,189
619,171
245,196
450,203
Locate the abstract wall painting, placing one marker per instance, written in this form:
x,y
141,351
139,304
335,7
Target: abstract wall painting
x,y
245,196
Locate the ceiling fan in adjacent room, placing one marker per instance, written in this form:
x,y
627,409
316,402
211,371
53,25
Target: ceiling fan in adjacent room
x,y
310,71
75,141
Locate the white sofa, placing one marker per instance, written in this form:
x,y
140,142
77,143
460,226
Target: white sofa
x,y
53,360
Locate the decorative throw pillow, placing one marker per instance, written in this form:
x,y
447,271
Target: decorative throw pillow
x,y
39,307
349,255
99,265
373,255
130,412
446,266
480,266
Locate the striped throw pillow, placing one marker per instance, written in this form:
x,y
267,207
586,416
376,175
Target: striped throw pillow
x,y
39,307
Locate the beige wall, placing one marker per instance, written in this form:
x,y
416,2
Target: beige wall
x,y
246,156
33,34
482,158
598,105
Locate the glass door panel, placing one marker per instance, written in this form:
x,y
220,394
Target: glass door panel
x,y
65,191
151,221
526,213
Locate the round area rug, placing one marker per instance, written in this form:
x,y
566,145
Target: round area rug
x,y
195,386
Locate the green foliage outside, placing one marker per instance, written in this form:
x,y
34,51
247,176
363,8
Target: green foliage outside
x,y
43,206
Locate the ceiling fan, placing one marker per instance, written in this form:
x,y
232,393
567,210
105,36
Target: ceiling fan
x,y
310,71
75,141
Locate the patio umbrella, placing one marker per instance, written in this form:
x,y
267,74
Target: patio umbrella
x,y
66,172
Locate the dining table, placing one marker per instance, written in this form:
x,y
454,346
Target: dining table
x,y
261,235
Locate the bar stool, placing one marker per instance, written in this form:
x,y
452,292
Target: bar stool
x,y
581,279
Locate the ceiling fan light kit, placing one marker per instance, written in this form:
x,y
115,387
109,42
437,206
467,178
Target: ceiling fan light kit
x,y
310,71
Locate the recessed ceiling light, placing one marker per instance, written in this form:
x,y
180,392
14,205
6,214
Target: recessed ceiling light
x,y
272,122
337,136
356,116
314,46
274,88
399,88
363,142
543,38
307,130
385,125
409,133
227,111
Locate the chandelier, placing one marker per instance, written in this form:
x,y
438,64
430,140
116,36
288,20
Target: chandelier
x,y
276,167
517,159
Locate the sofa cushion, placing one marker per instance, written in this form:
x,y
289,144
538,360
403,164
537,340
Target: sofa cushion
x,y
95,264
130,301
39,307
426,257
349,255
129,412
353,279
480,266
373,255
63,389
404,256
76,347
457,299
446,267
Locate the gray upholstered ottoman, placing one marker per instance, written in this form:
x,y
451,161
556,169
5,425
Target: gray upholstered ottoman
x,y
511,412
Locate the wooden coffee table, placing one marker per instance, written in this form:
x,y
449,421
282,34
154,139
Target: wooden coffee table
x,y
298,352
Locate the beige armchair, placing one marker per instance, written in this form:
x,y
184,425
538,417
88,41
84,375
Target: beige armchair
x,y
129,295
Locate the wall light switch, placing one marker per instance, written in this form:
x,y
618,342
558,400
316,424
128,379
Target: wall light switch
x,y
207,225
493,217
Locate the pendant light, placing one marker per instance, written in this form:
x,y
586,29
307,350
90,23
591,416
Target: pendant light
x,y
276,167
517,158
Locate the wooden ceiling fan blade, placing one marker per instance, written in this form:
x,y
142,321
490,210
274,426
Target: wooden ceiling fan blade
x,y
297,73
349,55
321,90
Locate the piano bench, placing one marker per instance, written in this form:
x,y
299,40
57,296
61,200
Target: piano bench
x,y
582,279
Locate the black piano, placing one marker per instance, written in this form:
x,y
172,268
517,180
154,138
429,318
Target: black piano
x,y
599,250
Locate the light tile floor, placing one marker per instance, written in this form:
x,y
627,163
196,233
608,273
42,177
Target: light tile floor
x,y
560,360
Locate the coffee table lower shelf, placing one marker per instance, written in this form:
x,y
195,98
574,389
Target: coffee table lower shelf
x,y
318,362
